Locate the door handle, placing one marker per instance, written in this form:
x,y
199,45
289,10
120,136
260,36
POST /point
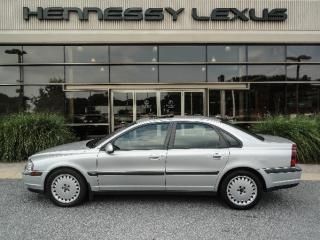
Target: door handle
x,y
217,156
154,157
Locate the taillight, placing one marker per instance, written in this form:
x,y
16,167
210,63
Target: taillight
x,y
294,155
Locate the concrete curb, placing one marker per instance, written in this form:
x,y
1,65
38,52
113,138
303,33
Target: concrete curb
x,y
310,172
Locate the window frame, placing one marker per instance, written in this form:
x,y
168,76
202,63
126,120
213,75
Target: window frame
x,y
223,142
164,146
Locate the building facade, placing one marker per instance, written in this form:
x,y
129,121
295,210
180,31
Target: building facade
x,y
102,63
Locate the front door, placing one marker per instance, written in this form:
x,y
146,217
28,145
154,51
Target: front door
x,y
138,162
196,155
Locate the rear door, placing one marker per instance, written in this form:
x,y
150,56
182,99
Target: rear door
x,y
196,155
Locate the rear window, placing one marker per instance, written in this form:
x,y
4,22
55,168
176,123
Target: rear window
x,y
244,130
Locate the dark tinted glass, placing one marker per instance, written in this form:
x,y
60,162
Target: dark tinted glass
x,y
182,54
303,53
303,73
87,107
266,53
192,135
87,74
122,109
182,74
146,104
226,73
43,54
232,141
226,54
193,103
147,137
10,102
134,74
87,54
85,132
43,75
131,54
45,98
268,73
10,54
170,103
10,75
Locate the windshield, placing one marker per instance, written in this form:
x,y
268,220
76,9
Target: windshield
x,y
97,141
244,130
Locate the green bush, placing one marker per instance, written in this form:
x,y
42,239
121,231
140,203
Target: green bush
x,y
304,131
23,134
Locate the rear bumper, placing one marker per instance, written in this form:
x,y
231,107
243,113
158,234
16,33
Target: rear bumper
x,y
284,177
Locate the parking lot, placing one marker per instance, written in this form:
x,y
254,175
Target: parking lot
x,y
286,214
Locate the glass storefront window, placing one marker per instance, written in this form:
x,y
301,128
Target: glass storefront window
x,y
87,74
303,53
134,74
193,103
87,54
258,53
10,75
133,54
182,53
182,74
146,104
42,75
268,73
90,131
48,98
303,73
226,73
122,109
10,101
226,53
43,54
87,107
170,103
11,54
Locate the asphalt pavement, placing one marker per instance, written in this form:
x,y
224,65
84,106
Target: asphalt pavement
x,y
284,214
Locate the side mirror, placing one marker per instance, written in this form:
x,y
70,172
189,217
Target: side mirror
x,y
109,148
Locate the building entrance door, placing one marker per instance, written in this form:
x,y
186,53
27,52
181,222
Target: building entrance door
x,y
130,105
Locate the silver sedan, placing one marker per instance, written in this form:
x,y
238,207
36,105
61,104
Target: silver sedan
x,y
181,154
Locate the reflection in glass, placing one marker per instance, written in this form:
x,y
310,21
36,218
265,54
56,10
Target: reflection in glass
x,y
10,102
271,53
86,132
182,74
44,98
87,54
10,54
231,53
9,75
43,54
133,54
170,103
267,73
182,53
146,104
122,109
193,103
303,73
43,75
87,107
304,53
87,74
134,74
226,73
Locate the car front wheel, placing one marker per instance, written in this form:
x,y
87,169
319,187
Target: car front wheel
x,y
66,188
241,189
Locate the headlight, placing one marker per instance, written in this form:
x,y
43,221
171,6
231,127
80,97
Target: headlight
x,y
29,166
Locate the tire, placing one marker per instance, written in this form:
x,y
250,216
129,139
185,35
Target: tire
x,y
241,189
66,188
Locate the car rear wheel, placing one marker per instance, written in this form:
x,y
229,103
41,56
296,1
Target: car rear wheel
x,y
66,188
241,189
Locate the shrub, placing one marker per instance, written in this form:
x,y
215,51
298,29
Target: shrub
x,y
304,131
23,134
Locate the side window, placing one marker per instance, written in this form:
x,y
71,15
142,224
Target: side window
x,y
195,135
233,142
148,137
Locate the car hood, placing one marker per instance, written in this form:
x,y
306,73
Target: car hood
x,y
69,148
275,139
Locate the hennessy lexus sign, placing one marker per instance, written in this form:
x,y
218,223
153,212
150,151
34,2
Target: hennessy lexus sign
x,y
154,14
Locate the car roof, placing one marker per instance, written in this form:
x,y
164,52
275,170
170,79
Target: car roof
x,y
177,119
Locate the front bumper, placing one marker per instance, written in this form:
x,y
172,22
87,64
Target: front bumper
x,y
284,177
34,183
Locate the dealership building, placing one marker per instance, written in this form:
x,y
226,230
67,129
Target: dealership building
x,y
103,63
